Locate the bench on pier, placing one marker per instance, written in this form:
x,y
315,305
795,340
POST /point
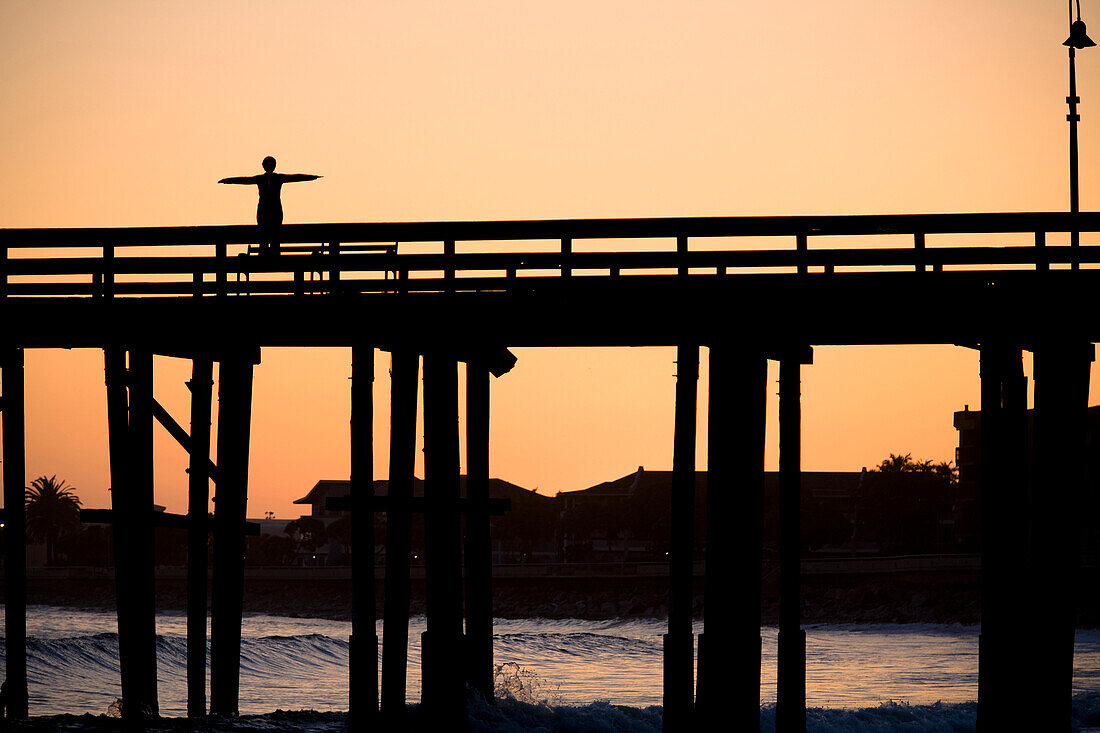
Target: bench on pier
x,y
314,250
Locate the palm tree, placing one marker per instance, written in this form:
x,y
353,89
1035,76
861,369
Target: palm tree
x,y
52,508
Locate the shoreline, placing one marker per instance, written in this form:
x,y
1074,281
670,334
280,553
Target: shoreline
x,y
831,600
941,595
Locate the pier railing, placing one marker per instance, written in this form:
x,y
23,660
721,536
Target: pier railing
x,y
398,257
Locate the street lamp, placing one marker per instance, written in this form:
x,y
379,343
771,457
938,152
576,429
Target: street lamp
x,y
1077,39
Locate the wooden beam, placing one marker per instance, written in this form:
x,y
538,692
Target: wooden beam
x,y
230,506
478,556
363,644
679,642
730,645
15,534
790,709
706,226
444,682
130,437
395,632
1055,505
198,501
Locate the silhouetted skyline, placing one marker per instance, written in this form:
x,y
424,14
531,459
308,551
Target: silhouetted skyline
x,y
651,112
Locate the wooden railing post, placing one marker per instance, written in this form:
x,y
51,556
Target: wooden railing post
x,y
3,270
918,245
221,263
334,271
449,270
566,250
108,270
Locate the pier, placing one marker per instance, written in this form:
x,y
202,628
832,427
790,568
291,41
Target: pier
x,y
206,296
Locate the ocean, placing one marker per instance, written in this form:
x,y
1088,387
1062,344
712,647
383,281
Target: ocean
x,y
558,674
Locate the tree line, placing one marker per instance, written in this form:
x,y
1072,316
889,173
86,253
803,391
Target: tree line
x,y
53,519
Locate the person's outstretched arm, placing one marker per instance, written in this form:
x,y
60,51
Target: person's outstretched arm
x,y
240,179
295,177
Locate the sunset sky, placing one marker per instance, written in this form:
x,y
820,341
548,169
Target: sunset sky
x,y
127,113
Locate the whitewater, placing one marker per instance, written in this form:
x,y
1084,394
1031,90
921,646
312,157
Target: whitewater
x,y
576,675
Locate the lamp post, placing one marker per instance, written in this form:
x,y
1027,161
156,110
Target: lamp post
x,y
1077,39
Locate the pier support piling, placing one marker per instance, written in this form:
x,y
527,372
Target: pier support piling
x,y
1002,673
729,689
444,683
1057,490
395,625
790,707
679,642
130,437
15,534
230,505
198,500
363,645
479,551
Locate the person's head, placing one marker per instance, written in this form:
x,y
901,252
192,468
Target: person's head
x,y
268,164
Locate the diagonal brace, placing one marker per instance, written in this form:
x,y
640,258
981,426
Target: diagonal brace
x,y
176,431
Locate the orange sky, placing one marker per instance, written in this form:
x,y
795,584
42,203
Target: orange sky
x,y
126,113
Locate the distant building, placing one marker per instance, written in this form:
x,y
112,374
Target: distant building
x,y
526,533
320,492
626,519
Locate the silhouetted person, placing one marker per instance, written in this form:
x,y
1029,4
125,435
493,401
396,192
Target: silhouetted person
x,y
269,212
